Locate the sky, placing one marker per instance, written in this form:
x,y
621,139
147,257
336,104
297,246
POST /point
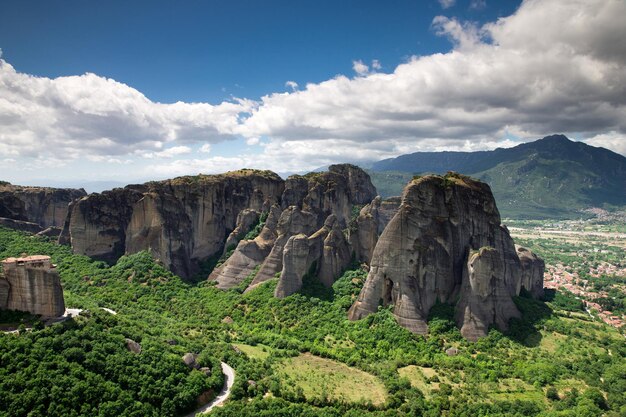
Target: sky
x,y
132,91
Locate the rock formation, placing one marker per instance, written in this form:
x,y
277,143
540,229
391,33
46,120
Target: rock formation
x,y
181,221
485,298
316,208
324,254
532,271
370,223
31,284
444,244
41,205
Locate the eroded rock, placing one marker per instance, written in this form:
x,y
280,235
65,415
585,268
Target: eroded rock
x,y
421,256
31,284
41,205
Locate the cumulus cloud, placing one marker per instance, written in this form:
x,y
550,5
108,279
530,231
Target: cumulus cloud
x,y
291,85
169,152
552,66
614,141
76,116
360,68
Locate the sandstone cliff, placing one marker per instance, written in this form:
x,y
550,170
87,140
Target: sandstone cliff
x,y
31,284
41,205
431,251
180,221
316,207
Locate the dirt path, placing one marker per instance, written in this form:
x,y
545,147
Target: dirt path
x,y
229,373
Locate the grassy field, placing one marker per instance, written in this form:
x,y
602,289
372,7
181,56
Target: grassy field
x,y
325,378
255,352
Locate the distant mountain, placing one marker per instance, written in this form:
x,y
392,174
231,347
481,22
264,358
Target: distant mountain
x,y
552,177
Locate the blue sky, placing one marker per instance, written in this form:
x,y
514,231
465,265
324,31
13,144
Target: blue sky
x,y
210,50
131,91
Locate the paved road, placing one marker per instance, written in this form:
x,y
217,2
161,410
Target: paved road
x,y
229,373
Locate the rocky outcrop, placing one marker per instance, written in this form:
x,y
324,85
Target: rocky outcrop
x,y
20,225
41,205
96,224
431,244
51,232
370,223
31,284
333,192
533,268
308,202
133,346
248,255
293,221
324,254
485,297
181,221
246,219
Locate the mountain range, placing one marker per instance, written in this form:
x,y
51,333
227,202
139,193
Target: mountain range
x,y
553,177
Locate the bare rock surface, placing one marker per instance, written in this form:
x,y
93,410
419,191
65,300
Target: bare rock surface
x,y
20,225
532,271
485,297
422,256
41,205
133,346
31,284
248,255
181,221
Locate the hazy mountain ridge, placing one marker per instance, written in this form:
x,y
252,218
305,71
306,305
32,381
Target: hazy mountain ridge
x,y
550,177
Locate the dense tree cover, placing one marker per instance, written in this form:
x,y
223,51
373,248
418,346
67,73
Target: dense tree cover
x,y
82,367
545,350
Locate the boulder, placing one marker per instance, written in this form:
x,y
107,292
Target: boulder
x,y
190,359
133,346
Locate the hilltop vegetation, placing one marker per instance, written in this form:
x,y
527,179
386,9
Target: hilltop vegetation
x,y
549,364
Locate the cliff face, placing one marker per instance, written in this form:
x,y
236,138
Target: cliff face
x,y
316,208
431,251
31,284
180,221
41,205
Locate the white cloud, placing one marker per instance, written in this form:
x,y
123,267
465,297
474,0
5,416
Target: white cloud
x,y
446,4
614,141
169,152
552,66
530,73
291,85
360,68
72,117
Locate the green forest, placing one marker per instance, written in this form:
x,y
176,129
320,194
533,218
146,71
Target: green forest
x,y
297,356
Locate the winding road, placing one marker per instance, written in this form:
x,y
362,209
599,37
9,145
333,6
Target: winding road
x,y
229,373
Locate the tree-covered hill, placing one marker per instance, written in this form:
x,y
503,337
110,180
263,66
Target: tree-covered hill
x,y
292,355
552,177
